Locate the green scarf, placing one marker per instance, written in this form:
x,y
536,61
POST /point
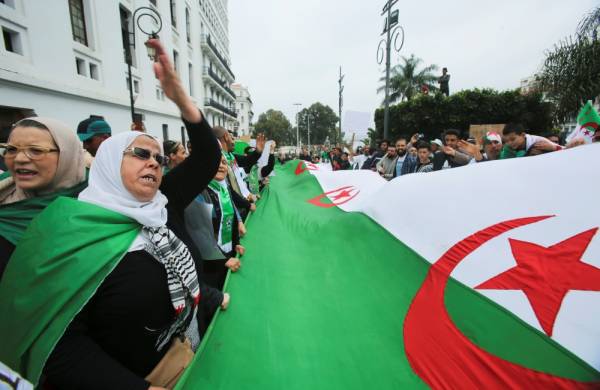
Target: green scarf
x,y
227,213
229,157
61,260
15,217
508,152
253,182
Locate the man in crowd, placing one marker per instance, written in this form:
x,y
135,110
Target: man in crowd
x,y
520,144
424,163
362,154
304,155
401,151
92,132
436,146
387,165
372,162
451,156
444,81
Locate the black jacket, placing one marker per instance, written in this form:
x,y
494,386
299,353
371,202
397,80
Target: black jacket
x,y
111,344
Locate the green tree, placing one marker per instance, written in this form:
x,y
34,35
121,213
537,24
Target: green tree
x,y
323,121
406,79
275,126
570,75
432,115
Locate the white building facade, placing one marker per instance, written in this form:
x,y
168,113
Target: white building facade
x,y
243,106
67,59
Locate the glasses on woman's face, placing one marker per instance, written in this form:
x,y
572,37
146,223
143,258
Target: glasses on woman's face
x,y
33,152
145,154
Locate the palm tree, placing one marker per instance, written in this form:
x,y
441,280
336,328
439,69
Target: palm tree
x,y
406,79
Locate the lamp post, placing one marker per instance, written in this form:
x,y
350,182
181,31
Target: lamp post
x,y
392,32
340,104
136,17
297,128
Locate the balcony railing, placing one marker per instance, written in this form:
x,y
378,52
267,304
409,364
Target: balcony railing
x,y
213,103
208,42
209,72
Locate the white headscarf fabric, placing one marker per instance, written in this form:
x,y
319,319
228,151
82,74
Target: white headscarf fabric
x,y
106,188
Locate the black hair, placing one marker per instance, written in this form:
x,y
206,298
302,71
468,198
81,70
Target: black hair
x,y
170,147
402,137
451,132
516,128
423,145
387,141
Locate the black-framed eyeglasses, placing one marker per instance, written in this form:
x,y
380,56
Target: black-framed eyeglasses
x,y
33,152
145,154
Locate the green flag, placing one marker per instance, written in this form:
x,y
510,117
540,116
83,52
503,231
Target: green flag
x,y
588,122
65,254
330,299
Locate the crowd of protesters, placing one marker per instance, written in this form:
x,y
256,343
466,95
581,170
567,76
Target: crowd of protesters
x,y
148,307
451,150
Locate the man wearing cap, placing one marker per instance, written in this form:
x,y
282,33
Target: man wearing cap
x,y
92,132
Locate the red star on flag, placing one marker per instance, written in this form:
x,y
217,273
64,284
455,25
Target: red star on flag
x,y
341,195
546,275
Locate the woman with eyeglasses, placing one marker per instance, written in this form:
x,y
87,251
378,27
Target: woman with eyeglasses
x,y
45,160
115,305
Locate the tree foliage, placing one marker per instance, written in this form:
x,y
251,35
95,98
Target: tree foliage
x,y
432,115
571,71
406,79
275,125
323,121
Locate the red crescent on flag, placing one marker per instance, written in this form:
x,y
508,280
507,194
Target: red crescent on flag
x,y
338,197
305,166
442,356
593,125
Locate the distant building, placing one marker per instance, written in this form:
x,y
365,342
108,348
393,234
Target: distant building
x,y
243,106
528,85
66,59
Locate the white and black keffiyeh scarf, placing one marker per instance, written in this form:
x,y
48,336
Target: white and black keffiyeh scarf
x,y
182,278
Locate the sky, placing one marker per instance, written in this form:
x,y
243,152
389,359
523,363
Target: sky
x,y
290,52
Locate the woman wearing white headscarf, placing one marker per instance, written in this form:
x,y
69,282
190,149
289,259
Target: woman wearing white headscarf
x,y
148,299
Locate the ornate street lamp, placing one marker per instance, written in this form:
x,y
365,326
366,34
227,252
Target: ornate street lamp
x,y
384,49
137,16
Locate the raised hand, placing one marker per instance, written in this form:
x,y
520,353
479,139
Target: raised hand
x,y
260,142
233,264
171,84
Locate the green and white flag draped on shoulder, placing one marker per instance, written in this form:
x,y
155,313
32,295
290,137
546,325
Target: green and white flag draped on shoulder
x,y
63,257
481,277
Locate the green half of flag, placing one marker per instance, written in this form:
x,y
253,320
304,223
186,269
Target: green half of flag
x,y
321,299
588,117
62,258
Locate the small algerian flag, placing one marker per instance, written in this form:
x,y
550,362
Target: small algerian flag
x,y
588,121
352,282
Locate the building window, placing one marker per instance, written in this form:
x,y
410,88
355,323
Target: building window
x,y
183,135
94,72
173,13
188,28
165,131
191,78
78,21
128,50
12,41
81,68
10,3
176,61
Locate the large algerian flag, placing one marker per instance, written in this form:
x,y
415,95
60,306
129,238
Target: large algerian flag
x,y
481,277
588,122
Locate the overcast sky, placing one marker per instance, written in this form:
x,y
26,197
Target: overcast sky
x,y
289,52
